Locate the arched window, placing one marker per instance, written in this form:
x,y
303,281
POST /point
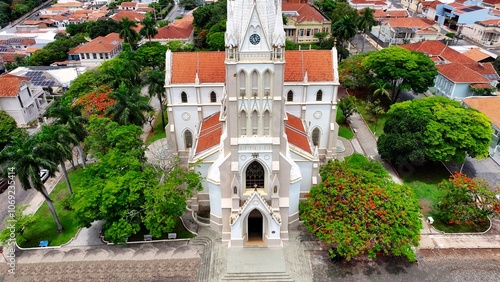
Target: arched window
x,y
289,96
255,83
319,95
188,139
255,176
267,83
184,97
213,97
267,123
315,136
243,123
255,123
243,83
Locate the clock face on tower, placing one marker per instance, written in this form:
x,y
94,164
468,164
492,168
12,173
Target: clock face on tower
x,y
254,39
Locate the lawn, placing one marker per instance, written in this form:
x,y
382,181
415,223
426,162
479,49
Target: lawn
x,y
45,227
376,126
346,132
158,131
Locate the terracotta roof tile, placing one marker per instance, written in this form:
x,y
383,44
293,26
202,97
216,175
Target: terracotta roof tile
x,y
492,22
173,32
128,4
369,2
492,2
481,85
306,12
131,15
476,54
296,133
457,72
317,63
100,44
487,105
410,22
10,85
210,132
393,13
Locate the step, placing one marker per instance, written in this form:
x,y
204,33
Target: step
x,y
258,276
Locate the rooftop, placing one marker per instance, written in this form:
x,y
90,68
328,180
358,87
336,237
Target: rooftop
x,y
100,44
210,132
486,105
303,12
10,85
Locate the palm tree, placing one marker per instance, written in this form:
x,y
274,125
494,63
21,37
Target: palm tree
x,y
149,27
22,155
127,33
55,143
129,107
156,81
366,21
65,114
381,87
344,29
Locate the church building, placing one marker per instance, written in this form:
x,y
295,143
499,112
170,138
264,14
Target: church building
x,y
256,120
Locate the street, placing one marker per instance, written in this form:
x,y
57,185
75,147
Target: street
x,y
21,197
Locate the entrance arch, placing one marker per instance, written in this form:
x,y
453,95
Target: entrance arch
x,y
255,227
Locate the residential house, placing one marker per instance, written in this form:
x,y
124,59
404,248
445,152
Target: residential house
x,y
303,22
412,5
53,80
95,52
17,43
374,4
490,106
455,14
20,99
486,33
180,29
479,55
131,15
128,6
71,6
405,30
458,75
494,4
384,14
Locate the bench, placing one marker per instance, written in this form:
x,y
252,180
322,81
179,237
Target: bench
x,y
148,237
172,236
44,243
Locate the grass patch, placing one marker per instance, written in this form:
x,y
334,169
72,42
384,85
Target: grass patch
x,y
182,233
45,228
158,130
376,126
346,132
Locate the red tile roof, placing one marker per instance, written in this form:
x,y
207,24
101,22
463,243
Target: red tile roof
x,y
489,22
306,12
101,44
461,74
476,54
481,85
394,13
210,66
296,133
128,4
492,2
10,57
443,53
369,2
131,15
210,132
410,22
173,32
487,105
10,85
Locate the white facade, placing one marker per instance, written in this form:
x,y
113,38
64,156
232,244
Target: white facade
x,y
258,130
27,106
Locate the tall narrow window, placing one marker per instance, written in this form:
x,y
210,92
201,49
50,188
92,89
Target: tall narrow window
x,y
315,136
319,95
255,83
188,139
267,83
267,123
243,123
255,123
243,85
213,97
289,96
184,97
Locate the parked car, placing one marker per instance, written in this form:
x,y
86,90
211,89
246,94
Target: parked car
x,y
44,175
4,184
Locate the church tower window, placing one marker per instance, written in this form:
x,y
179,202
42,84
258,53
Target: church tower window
x,y
243,123
242,84
255,83
267,83
255,123
315,136
255,176
184,97
213,97
188,139
319,95
289,96
267,121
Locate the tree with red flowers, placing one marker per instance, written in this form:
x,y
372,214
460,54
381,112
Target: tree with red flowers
x,y
467,201
97,102
359,210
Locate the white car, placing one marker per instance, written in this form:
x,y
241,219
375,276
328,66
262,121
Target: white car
x,y
44,175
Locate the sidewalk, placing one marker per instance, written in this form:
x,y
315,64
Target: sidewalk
x,y
429,239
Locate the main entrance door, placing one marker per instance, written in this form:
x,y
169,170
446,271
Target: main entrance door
x,y
255,228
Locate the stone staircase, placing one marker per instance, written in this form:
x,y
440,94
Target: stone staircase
x,y
258,276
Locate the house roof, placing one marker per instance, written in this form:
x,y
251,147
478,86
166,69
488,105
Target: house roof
x,y
476,54
393,13
296,133
19,41
68,4
459,73
439,52
131,15
486,105
173,32
410,22
10,85
210,132
491,22
492,2
369,2
304,12
467,9
128,4
101,44
318,64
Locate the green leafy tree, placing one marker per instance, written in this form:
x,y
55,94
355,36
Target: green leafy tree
x,y
73,29
348,106
23,155
8,129
86,83
380,88
56,144
22,221
148,29
190,4
129,107
403,69
152,54
358,210
102,28
216,41
156,82
365,22
434,129
127,32
344,29
353,74
124,69
466,201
